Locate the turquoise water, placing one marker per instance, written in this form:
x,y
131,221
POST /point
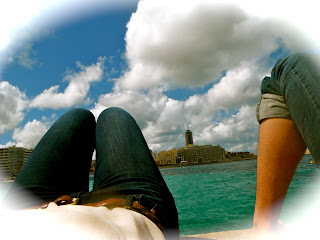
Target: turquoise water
x,y
215,197
221,197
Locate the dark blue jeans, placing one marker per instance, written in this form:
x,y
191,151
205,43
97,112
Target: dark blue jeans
x,y
60,163
297,79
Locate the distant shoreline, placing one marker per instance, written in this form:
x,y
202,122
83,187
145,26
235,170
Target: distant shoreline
x,y
205,163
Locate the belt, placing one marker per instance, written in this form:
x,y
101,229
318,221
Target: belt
x,y
131,203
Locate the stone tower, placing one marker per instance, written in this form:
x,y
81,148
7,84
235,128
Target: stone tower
x,y
189,139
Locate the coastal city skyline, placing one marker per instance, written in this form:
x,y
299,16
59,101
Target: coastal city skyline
x,y
13,158
195,64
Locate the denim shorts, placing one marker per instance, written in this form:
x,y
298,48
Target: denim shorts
x,y
272,106
293,91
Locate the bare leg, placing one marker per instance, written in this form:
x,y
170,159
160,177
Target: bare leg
x,y
281,148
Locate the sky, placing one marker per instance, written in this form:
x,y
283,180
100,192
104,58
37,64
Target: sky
x,y
173,65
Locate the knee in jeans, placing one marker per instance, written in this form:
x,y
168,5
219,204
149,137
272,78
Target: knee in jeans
x,y
82,113
79,112
298,59
113,112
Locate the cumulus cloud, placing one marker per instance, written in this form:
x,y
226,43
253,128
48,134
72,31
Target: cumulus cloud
x,y
13,104
192,45
201,44
168,130
144,108
186,44
77,90
240,85
160,118
30,134
164,120
238,132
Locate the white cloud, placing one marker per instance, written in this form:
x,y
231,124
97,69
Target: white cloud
x,y
240,85
26,57
167,130
191,45
163,120
8,144
77,90
169,46
13,104
160,118
279,11
144,108
182,43
238,132
30,134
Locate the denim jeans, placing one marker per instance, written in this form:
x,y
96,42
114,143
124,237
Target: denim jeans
x,y
295,81
60,163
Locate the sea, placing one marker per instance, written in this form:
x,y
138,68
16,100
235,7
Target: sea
x,y
221,196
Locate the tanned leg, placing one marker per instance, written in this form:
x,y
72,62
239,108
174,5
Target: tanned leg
x,y
281,148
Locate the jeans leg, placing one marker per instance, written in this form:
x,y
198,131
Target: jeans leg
x,y
125,165
61,161
297,79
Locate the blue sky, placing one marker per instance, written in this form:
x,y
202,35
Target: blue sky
x,y
80,41
170,65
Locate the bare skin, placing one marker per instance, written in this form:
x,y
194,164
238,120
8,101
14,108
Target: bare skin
x,y
280,150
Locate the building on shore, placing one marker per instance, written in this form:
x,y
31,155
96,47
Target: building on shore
x,y
167,157
190,154
193,154
11,161
240,155
200,154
